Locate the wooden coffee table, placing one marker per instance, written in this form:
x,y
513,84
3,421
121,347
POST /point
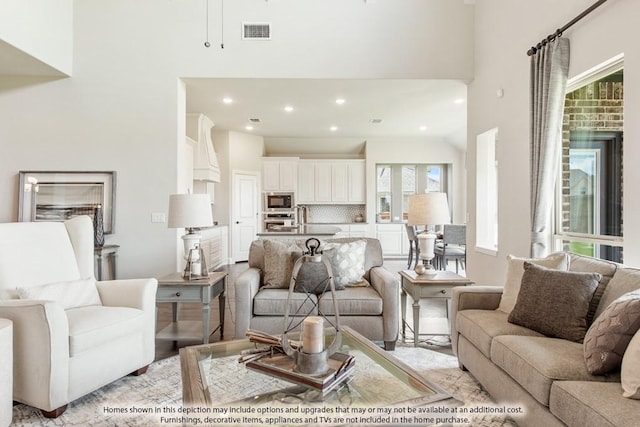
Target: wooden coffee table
x,y
437,287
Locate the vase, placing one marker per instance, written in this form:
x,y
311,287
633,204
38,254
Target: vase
x,y
98,227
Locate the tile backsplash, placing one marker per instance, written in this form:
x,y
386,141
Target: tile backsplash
x,y
335,214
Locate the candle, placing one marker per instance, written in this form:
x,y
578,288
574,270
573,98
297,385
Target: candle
x,y
313,334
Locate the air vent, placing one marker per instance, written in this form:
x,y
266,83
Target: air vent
x,y
254,120
375,121
256,31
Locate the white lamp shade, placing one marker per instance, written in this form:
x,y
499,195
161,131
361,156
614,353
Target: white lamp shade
x,y
428,209
189,211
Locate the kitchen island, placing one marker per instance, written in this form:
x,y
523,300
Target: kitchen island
x,y
300,232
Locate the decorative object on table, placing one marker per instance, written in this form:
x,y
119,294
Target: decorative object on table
x,y
98,227
306,361
59,196
196,267
191,212
428,209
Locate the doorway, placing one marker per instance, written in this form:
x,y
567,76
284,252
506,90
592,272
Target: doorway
x,y
245,213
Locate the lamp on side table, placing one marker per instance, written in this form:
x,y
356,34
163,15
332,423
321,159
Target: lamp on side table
x,y
428,209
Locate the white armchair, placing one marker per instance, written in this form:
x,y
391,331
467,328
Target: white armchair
x,y
72,335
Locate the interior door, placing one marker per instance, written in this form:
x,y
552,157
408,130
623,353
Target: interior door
x,y
245,215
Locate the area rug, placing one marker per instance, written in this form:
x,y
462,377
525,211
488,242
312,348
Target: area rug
x,y
161,388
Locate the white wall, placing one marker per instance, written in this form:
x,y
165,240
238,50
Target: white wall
x,y
504,31
42,29
411,151
120,110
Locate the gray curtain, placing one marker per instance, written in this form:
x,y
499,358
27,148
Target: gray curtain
x,y
549,71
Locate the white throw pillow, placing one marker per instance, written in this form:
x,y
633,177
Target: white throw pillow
x,y
347,261
72,294
630,373
515,270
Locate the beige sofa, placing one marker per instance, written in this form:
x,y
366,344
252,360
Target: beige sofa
x,y
545,376
374,311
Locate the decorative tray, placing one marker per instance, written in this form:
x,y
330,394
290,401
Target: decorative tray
x,y
281,366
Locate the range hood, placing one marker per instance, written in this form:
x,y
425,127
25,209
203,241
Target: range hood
x,y
205,161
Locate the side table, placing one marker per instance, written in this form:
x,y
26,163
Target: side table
x,y
436,286
105,262
175,289
6,372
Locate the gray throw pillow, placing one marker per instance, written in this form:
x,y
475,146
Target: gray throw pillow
x,y
553,302
313,278
278,263
609,336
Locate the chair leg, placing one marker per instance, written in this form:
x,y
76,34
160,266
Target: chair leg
x,y
140,371
410,254
389,345
55,413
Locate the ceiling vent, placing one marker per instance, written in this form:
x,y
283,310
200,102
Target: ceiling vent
x,y
256,31
254,120
375,121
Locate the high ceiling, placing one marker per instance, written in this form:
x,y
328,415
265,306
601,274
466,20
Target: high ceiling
x,y
405,108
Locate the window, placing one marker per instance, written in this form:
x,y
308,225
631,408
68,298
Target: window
x,y
487,193
589,201
395,183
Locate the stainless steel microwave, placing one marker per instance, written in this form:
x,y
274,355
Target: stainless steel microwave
x,y
274,202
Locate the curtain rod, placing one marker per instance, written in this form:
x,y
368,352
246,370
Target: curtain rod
x,y
558,33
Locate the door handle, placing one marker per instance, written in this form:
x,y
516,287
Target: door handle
x,y
238,222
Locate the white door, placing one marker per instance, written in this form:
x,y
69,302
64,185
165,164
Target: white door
x,y
244,222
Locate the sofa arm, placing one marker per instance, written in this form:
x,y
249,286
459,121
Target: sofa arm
x,y
471,298
41,352
134,293
387,285
246,286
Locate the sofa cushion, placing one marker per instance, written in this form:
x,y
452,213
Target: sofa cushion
x,y
624,281
272,302
515,270
313,278
481,326
588,264
373,252
278,263
347,261
353,301
92,326
553,302
536,362
630,372
72,294
592,404
608,337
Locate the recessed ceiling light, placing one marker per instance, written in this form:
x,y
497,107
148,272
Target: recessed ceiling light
x,y
423,128
459,101
288,108
248,127
333,128
227,100
340,101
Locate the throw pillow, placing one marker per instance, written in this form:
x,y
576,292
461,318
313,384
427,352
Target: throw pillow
x,y
515,269
608,337
630,372
278,263
347,261
313,278
72,294
553,302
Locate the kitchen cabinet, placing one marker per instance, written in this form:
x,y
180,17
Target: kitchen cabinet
x,y
391,237
279,174
331,181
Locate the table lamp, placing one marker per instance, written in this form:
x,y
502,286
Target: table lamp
x,y
191,212
428,209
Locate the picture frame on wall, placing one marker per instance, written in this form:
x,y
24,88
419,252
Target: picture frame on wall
x,y
59,196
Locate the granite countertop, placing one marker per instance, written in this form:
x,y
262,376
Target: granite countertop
x,y
303,230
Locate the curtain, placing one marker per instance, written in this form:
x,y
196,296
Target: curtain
x,y
549,72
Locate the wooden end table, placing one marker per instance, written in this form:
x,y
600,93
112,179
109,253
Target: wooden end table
x,y
436,286
175,289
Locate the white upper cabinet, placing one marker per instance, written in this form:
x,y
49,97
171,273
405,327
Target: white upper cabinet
x,y
279,174
331,181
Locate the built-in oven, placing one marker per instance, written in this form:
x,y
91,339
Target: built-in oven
x,y
278,202
275,221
